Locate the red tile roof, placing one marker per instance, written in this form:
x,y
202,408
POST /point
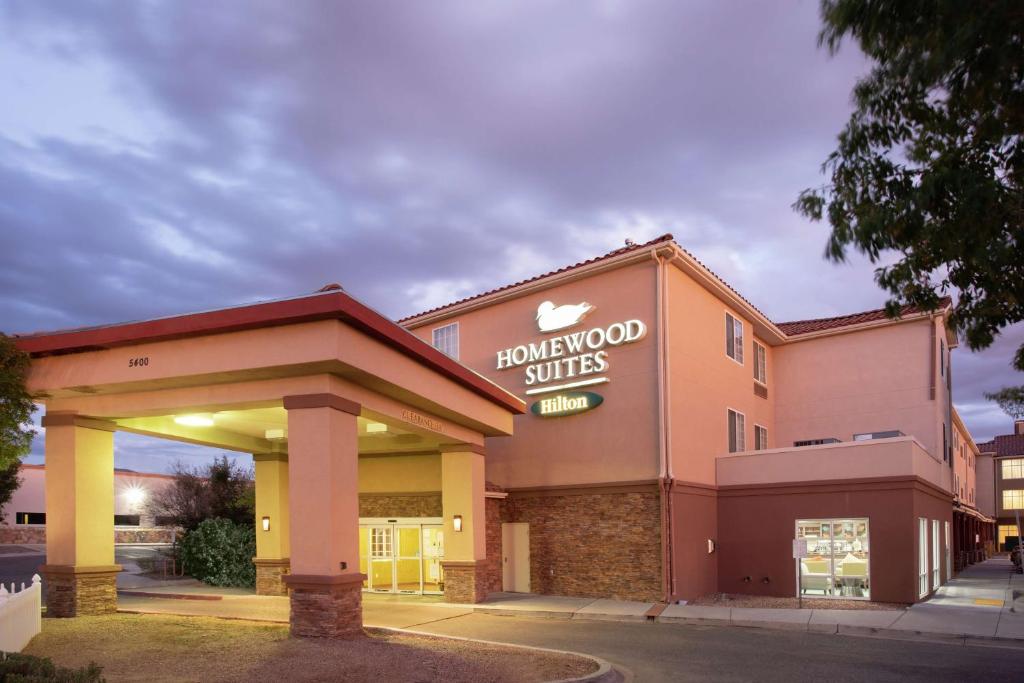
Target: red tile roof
x,y
1007,444
798,327
667,237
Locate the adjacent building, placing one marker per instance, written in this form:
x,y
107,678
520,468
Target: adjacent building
x,y
1004,456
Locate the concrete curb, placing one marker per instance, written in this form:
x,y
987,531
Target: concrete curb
x,y
605,673
849,630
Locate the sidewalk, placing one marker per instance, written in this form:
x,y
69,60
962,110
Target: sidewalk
x,y
976,608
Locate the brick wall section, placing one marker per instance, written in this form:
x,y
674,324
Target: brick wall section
x,y
328,612
37,534
76,595
465,583
375,505
601,545
492,565
269,574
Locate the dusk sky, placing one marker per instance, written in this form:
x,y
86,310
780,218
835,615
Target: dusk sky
x,y
166,157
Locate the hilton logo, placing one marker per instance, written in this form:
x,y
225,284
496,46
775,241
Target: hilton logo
x,y
568,403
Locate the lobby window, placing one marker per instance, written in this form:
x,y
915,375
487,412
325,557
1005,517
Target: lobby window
x,y
760,438
949,552
1013,468
446,339
837,560
737,428
734,338
30,518
922,557
1013,499
935,554
760,364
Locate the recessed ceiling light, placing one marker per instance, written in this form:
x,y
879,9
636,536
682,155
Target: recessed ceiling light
x,y
376,428
195,420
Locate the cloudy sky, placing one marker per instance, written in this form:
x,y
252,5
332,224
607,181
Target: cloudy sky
x,y
163,157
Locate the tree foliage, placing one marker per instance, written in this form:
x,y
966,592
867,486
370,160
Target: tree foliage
x,y
929,168
10,480
16,405
219,552
1011,400
221,489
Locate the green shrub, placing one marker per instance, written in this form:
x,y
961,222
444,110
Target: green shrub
x,y
219,552
18,668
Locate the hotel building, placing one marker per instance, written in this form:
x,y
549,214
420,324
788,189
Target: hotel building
x,y
627,427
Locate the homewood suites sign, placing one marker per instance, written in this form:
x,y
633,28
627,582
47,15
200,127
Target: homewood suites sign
x,y
573,359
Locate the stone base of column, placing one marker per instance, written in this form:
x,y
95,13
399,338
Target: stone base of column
x,y
326,606
80,591
270,576
465,582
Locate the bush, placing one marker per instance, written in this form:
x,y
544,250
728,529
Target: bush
x,y
18,668
219,552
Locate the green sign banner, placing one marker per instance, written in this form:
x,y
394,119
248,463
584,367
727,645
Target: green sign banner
x,y
566,403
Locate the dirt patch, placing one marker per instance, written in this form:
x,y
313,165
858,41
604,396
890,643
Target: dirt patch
x,y
151,647
736,600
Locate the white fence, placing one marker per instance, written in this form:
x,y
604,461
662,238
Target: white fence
x,y
20,615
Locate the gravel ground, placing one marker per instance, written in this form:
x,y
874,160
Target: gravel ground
x,y
736,600
133,647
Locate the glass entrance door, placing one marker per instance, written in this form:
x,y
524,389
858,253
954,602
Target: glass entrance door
x,y
402,556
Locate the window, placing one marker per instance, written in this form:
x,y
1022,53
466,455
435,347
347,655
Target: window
x,y
935,554
815,442
380,542
127,520
949,554
1007,531
734,338
922,555
1013,499
30,518
446,339
942,358
760,438
737,427
837,559
163,520
760,364
1013,468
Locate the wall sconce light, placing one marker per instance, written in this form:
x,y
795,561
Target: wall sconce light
x,y
266,523
457,522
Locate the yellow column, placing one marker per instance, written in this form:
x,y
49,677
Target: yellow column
x,y
272,532
462,500
79,568
323,502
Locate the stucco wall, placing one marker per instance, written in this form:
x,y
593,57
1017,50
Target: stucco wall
x,y
618,441
866,381
705,382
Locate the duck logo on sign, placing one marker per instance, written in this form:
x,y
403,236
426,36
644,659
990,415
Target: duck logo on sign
x,y
567,403
551,317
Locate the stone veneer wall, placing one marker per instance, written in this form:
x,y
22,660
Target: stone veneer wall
x,y
327,611
75,595
37,534
592,544
399,505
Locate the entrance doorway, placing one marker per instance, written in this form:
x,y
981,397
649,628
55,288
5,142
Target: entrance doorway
x,y
515,557
402,555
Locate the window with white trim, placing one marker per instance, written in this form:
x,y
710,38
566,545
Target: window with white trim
x,y
922,556
734,338
760,364
760,438
936,550
1013,499
1013,468
949,552
446,339
737,427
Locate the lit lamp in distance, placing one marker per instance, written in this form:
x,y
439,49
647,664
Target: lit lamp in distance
x,y
195,420
457,522
266,523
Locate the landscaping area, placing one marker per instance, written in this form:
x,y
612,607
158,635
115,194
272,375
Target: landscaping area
x,y
172,648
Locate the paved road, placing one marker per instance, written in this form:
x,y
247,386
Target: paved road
x,y
669,652
20,568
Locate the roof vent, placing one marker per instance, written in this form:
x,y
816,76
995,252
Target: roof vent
x,y
630,242
333,287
